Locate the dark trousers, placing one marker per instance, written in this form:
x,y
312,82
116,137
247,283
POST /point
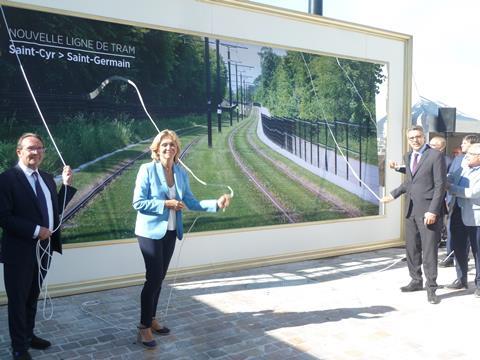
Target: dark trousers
x,y
157,255
422,247
462,238
22,287
449,246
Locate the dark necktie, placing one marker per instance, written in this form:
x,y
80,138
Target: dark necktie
x,y
415,163
42,200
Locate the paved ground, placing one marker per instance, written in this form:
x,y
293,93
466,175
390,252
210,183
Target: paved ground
x,y
336,308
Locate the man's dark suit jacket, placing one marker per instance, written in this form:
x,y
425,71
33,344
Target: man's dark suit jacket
x,y
425,190
20,214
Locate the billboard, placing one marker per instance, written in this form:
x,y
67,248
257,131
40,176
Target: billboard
x,y
294,133
290,110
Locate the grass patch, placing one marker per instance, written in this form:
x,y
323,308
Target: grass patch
x,y
110,215
81,139
365,207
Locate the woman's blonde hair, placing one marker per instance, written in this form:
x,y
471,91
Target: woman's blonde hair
x,y
158,139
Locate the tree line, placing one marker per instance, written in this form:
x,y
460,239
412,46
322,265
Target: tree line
x,y
312,87
168,68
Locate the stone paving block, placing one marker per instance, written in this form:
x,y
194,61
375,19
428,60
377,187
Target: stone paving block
x,y
89,341
70,346
105,338
216,353
330,309
102,355
86,350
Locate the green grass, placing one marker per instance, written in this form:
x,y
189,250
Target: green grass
x,y
81,138
292,194
366,207
111,216
217,166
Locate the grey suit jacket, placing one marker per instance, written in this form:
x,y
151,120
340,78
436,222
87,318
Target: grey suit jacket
x,y
424,190
468,197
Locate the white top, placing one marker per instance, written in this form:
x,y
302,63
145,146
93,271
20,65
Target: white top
x,y
172,217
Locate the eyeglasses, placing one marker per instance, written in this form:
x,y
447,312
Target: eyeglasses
x,y
411,138
472,154
32,149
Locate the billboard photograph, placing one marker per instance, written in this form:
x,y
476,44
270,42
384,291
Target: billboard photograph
x,y
299,137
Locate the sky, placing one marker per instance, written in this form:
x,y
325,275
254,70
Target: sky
x,y
446,46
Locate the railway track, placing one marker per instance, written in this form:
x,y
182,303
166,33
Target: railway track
x,y
83,202
337,204
285,212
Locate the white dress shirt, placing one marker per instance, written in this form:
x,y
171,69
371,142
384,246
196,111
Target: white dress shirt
x,y
29,175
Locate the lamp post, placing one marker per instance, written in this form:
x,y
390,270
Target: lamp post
x,y
315,7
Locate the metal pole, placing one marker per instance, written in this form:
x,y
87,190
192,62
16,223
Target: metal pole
x,y
230,86
217,90
208,92
236,86
242,106
315,7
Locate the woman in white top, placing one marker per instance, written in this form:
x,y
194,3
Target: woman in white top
x,y
162,191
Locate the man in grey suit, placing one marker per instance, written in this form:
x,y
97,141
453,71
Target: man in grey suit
x,y
424,189
464,186
458,165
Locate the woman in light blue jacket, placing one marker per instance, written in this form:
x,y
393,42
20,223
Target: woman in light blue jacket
x,y
162,191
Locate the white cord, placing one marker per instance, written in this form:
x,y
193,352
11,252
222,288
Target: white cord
x,y
95,93
333,136
358,93
91,303
448,256
44,253
176,268
41,252
30,88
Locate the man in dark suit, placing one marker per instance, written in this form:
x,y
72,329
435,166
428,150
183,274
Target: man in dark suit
x,y
29,214
424,188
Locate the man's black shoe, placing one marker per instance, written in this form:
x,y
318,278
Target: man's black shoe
x,y
412,286
39,343
23,355
457,285
446,262
432,297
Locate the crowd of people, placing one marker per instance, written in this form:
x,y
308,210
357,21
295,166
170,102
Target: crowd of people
x,y
441,192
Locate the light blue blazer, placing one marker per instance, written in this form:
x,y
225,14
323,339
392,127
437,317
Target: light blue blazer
x,y
468,197
151,191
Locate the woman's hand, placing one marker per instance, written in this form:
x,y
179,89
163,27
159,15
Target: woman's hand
x,y
174,205
223,201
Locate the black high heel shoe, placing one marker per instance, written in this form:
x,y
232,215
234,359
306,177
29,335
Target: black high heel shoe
x,y
161,330
152,344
